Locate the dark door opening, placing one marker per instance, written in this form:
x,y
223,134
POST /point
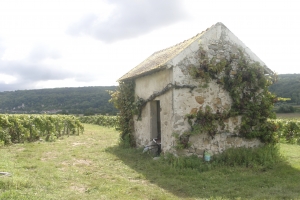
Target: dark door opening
x,y
155,120
158,122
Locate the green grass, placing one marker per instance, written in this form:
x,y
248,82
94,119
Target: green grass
x,y
92,166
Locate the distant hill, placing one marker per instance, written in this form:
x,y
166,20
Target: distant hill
x,y
287,86
91,100
80,100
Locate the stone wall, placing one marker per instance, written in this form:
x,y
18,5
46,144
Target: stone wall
x,y
219,43
145,87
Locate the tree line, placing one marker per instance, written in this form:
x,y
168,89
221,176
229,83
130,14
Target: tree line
x,y
77,100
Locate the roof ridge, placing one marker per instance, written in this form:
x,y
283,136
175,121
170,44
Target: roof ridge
x,y
179,43
187,39
158,59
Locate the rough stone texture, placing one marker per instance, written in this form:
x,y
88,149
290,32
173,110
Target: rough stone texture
x,y
221,44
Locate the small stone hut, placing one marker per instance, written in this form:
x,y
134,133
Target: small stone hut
x,y
166,73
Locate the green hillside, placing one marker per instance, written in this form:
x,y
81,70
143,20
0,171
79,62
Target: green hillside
x,y
91,100
80,100
287,86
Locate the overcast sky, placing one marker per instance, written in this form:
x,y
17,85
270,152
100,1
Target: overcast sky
x,y
72,43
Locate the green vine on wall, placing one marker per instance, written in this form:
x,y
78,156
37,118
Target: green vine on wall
x,y
140,102
206,121
124,100
248,87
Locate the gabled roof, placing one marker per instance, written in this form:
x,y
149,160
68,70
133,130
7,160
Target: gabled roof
x,y
159,59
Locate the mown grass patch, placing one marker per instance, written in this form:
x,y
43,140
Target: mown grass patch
x,y
93,166
279,181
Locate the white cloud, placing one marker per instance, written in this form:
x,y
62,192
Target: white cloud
x,y
130,19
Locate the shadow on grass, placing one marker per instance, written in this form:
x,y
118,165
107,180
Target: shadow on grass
x,y
281,181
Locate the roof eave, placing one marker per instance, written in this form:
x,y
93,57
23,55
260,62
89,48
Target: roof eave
x,y
124,78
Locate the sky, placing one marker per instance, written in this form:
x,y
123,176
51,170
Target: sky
x,y
77,43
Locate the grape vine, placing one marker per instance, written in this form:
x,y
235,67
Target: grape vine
x,y
21,128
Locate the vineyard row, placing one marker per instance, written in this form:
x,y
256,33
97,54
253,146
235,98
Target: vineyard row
x,y
21,128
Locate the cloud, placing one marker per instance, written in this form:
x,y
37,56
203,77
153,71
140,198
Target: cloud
x,y
40,52
129,19
33,68
28,72
16,86
2,48
40,67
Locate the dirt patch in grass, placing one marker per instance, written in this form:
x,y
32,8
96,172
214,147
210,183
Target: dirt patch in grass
x,y
77,162
82,162
78,188
78,144
49,156
20,149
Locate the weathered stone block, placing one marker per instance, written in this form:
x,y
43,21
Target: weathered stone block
x,y
230,140
233,72
212,52
200,151
178,125
215,148
206,141
199,90
213,47
181,152
238,142
200,99
177,118
235,120
217,101
233,49
226,107
194,111
192,150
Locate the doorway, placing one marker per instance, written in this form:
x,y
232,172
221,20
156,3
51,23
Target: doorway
x,y
155,120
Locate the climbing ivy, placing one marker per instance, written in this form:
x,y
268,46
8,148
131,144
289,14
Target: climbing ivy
x,y
124,100
248,87
206,121
244,80
140,102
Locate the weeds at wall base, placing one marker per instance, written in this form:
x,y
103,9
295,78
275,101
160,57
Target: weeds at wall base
x,y
260,158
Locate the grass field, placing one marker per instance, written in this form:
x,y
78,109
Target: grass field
x,y
92,166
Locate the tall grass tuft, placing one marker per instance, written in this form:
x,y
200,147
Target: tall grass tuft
x,y
265,156
261,157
